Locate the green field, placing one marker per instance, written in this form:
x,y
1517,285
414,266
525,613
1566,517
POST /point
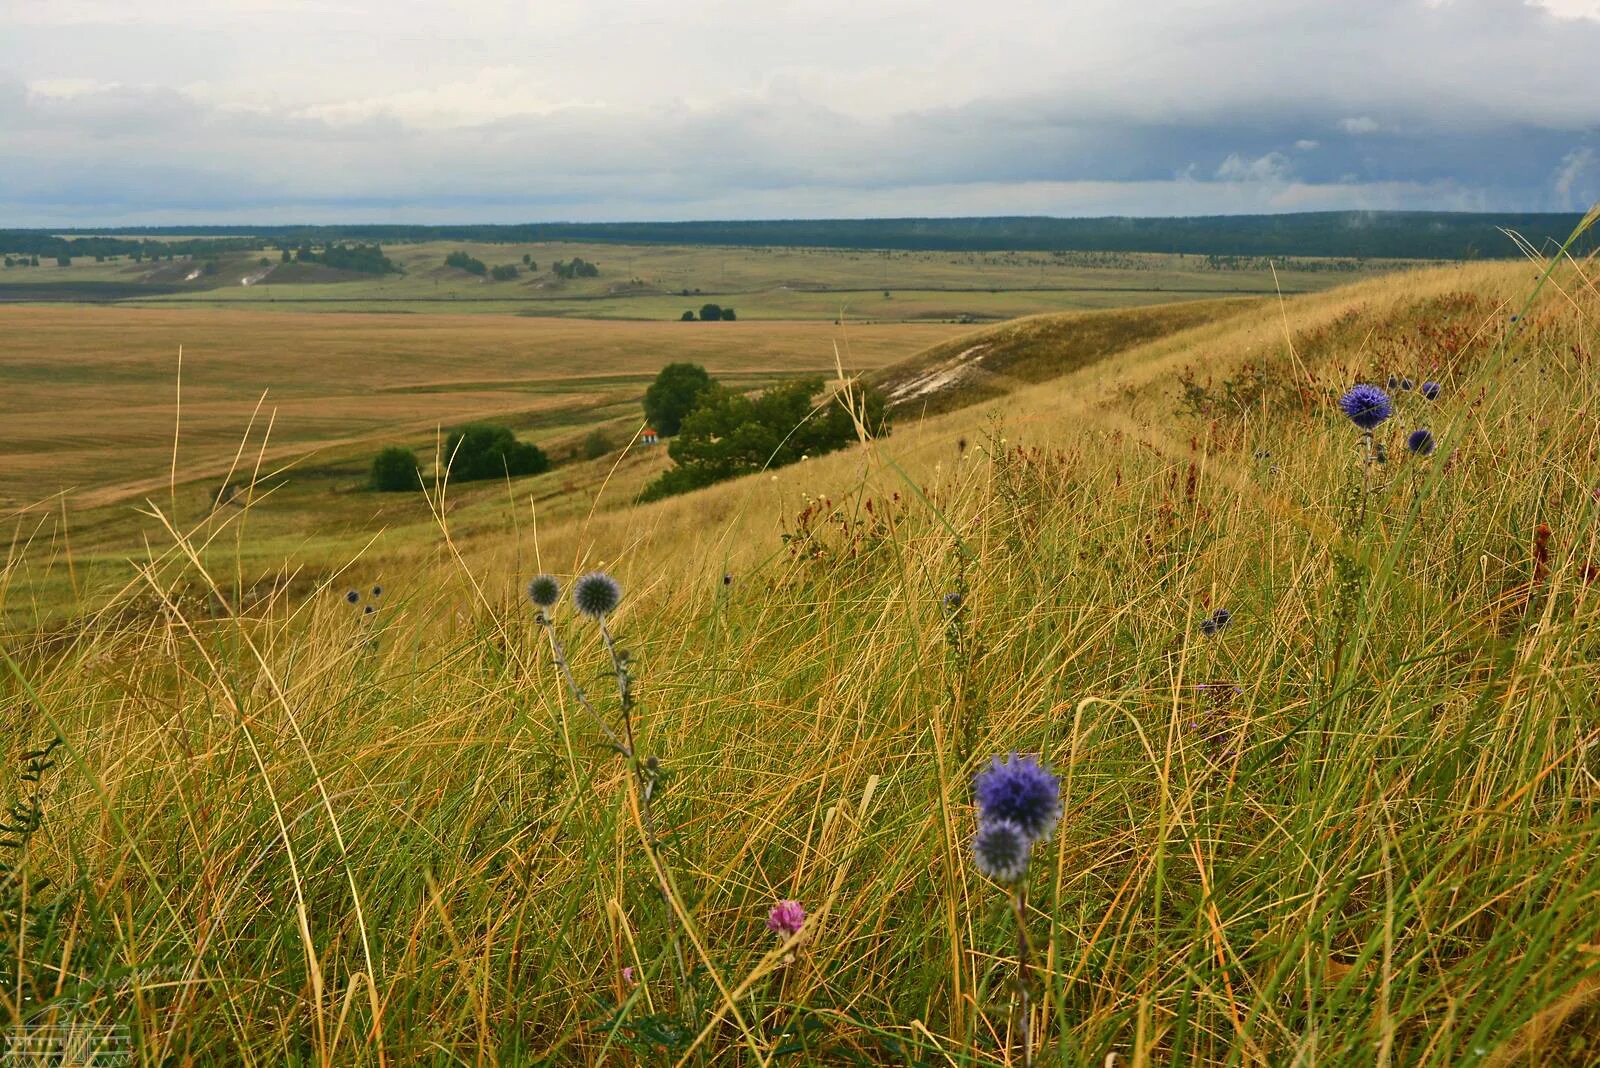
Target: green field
x,y
661,282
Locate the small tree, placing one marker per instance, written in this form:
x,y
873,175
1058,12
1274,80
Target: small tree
x,y
710,313
686,317
63,261
394,470
727,315
673,395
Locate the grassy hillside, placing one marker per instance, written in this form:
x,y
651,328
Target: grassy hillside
x,y
989,363
1356,826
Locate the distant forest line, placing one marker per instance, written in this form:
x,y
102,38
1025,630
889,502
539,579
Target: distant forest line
x,y
1364,235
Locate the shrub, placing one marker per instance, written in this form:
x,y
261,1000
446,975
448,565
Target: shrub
x,y
727,315
483,450
710,313
394,470
686,317
504,273
673,395
596,444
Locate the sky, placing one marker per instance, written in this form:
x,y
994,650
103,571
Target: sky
x,y
150,112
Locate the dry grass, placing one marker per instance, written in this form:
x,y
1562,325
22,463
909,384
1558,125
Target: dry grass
x,y
288,832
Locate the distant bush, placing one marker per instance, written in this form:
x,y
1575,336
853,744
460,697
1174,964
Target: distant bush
x,y
395,470
483,450
710,313
470,264
596,444
673,395
727,315
730,434
577,267
63,261
504,273
686,317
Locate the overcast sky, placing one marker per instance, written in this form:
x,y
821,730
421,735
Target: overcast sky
x,y
165,111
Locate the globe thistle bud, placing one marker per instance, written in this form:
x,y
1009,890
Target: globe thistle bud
x,y
544,591
1430,390
953,601
1000,850
1020,791
377,591
1421,441
353,597
1366,406
596,595
1406,384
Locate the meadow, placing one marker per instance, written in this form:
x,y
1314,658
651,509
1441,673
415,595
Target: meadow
x,y
1354,823
660,282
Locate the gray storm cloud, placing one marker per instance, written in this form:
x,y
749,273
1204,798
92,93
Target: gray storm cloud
x,y
269,110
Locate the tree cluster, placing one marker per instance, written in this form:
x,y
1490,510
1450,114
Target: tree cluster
x,y
364,259
470,264
719,433
711,313
577,267
472,453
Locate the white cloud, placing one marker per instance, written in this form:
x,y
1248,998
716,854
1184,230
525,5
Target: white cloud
x,y
1358,125
1272,167
1569,9
1305,144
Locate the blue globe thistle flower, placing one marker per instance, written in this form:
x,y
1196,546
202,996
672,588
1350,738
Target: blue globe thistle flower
x,y
1000,850
1430,390
953,600
1212,625
352,597
1021,791
596,594
544,590
1421,441
1366,406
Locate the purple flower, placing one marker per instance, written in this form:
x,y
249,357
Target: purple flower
x,y
786,918
1366,406
1020,791
1000,850
1421,441
1430,390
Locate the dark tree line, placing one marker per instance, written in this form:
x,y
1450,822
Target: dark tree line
x,y
1391,235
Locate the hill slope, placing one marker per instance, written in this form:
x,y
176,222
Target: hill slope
x,y
1354,824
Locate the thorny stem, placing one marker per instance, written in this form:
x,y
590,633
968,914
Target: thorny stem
x,y
1366,473
1019,909
559,654
645,777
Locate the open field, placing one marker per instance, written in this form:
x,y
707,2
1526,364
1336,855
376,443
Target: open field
x,y
661,282
1355,826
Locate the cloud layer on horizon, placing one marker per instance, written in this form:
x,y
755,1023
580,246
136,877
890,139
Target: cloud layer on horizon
x,y
355,110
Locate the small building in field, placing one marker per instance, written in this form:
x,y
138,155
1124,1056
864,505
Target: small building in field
x,y
649,437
